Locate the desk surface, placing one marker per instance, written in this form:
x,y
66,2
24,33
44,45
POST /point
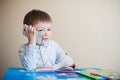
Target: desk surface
x,y
21,74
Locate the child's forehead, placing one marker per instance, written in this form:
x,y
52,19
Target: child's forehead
x,y
43,25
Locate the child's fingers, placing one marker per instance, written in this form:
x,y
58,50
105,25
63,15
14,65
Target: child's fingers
x,y
76,66
30,30
34,31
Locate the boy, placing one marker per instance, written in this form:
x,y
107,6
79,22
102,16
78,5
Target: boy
x,y
41,52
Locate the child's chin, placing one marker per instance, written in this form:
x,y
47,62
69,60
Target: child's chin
x,y
45,41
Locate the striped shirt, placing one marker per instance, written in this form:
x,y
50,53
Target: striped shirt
x,y
41,56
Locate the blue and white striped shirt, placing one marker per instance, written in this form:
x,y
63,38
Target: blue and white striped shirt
x,y
44,56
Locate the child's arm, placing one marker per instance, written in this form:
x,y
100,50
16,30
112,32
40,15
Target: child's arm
x,y
27,55
62,60
74,66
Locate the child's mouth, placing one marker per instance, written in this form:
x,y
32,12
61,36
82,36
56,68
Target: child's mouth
x,y
45,39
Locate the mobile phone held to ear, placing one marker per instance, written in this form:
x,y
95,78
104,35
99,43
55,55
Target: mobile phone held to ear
x,y
25,26
39,36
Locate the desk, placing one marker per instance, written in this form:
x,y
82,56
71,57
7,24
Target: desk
x,y
21,74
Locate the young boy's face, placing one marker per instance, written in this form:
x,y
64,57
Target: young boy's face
x,y
46,30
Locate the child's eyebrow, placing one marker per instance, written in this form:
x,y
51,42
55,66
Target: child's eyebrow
x,y
40,28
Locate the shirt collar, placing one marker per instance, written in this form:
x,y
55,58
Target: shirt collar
x,y
45,45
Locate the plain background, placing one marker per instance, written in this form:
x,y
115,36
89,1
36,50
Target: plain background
x,y
88,30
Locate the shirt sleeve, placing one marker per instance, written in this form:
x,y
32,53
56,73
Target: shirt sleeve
x,y
61,55
27,55
62,60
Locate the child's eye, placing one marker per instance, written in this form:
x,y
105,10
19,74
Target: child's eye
x,y
40,30
49,29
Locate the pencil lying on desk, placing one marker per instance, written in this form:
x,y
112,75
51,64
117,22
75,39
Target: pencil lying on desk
x,y
91,75
94,74
107,77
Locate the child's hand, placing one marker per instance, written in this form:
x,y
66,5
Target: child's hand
x,y
31,34
75,66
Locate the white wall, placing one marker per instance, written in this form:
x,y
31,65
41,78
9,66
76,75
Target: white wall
x,y
88,30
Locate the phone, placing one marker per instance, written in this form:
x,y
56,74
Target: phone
x,y
25,26
39,35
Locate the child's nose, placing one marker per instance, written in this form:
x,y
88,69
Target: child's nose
x,y
45,33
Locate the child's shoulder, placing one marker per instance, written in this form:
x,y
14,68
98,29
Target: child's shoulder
x,y
53,43
23,46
